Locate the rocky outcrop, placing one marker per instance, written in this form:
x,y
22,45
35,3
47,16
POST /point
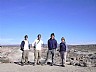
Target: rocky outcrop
x,y
82,58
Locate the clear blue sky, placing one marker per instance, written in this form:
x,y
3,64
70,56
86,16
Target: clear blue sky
x,y
73,19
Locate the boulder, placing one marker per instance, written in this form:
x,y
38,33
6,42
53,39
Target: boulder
x,y
4,60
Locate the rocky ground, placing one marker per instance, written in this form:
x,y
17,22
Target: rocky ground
x,y
11,67
78,60
13,54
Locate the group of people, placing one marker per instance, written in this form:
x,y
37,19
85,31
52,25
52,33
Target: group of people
x,y
37,45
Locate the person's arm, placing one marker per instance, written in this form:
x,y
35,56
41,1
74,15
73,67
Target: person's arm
x,y
59,47
48,44
56,44
28,45
22,45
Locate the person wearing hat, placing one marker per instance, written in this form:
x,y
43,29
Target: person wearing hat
x,y
25,50
63,51
52,45
37,44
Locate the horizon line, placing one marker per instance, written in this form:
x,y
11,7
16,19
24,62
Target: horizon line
x,y
46,44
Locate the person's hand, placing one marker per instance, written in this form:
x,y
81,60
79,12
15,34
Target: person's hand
x,y
58,50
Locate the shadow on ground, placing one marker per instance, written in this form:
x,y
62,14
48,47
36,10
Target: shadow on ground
x,y
29,63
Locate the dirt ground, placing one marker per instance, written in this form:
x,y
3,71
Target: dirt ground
x,y
11,67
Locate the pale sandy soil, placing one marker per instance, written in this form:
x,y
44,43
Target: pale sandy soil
x,y
11,67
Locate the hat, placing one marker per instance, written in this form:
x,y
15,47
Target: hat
x,y
26,36
63,38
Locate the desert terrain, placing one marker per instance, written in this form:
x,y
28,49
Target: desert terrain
x,y
80,58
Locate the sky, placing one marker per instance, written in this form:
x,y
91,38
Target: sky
x,y
75,20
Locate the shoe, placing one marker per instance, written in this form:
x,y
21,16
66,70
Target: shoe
x,y
63,65
22,64
45,63
26,63
42,64
51,64
34,64
38,63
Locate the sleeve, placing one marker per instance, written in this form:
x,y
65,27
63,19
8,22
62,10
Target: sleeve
x,y
28,44
59,47
22,45
56,44
48,44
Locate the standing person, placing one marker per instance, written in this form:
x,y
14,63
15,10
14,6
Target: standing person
x,y
52,45
63,51
37,49
25,50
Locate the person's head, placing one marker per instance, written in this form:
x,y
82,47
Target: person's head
x,y
62,39
39,36
52,35
26,37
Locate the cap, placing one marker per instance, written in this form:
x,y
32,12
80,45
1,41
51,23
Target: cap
x,y
26,36
63,38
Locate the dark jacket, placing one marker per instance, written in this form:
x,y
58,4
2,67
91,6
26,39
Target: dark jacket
x,y
52,44
22,45
62,47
